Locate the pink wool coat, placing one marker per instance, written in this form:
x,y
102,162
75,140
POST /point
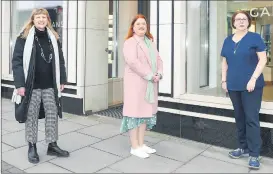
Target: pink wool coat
x,y
138,66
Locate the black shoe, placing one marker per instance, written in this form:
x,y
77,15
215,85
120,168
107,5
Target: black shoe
x,y
33,156
54,150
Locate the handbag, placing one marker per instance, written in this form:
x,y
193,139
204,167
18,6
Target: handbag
x,y
20,106
20,110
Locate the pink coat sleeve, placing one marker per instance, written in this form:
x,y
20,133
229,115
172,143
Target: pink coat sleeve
x,y
131,59
160,64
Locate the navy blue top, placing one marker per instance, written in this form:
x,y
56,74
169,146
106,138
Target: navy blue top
x,y
242,63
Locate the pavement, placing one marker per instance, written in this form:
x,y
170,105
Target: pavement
x,y
96,146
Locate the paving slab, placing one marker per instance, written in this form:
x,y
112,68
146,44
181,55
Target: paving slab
x,y
18,157
86,160
86,121
12,126
118,145
3,132
108,170
180,151
47,168
153,164
67,126
103,131
7,107
17,139
221,153
73,141
5,166
203,164
15,170
6,147
10,116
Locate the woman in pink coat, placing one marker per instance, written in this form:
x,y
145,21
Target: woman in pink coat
x,y
143,71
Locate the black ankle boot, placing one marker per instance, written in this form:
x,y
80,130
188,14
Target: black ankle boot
x,y
33,156
54,150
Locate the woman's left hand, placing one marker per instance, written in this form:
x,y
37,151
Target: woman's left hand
x,y
251,85
156,78
62,87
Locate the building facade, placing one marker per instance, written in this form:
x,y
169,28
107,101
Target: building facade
x,y
189,36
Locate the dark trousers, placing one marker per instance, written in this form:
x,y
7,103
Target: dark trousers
x,y
246,109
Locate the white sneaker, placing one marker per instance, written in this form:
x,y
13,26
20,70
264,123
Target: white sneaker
x,y
139,153
147,149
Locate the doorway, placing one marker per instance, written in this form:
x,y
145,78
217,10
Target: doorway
x,y
114,82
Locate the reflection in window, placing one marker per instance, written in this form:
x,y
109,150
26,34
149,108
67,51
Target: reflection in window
x,y
202,56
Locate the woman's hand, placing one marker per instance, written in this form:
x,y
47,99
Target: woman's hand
x,y
156,78
62,87
251,85
21,91
224,86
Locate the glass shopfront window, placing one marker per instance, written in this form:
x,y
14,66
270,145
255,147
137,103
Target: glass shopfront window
x,y
112,40
21,11
208,23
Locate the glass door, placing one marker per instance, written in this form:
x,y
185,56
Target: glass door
x,y
114,82
112,40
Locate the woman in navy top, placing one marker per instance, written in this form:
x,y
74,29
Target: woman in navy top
x,y
244,59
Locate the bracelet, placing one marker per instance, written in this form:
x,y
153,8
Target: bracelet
x,y
223,82
160,76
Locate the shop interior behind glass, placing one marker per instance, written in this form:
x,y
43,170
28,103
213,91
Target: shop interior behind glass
x,y
262,23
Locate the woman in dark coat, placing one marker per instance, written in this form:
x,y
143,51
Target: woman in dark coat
x,y
39,77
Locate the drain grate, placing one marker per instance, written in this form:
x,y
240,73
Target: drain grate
x,y
115,112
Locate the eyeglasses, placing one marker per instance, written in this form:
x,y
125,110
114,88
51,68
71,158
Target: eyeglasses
x,y
239,19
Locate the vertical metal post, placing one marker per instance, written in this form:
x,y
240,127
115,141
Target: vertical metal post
x,y
115,38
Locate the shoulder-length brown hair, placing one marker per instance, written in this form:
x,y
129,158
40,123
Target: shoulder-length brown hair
x,y
30,23
131,32
242,12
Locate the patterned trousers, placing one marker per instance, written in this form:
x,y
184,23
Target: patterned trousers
x,y
51,115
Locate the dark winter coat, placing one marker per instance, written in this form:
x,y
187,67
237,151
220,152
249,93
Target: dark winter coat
x,y
19,78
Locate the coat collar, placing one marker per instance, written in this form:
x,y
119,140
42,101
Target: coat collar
x,y
143,47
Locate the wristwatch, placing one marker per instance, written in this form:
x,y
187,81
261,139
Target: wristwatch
x,y
160,76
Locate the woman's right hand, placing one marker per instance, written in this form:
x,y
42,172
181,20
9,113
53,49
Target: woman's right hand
x,y
21,91
224,86
156,78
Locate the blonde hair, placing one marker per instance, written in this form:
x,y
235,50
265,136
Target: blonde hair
x,y
30,23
